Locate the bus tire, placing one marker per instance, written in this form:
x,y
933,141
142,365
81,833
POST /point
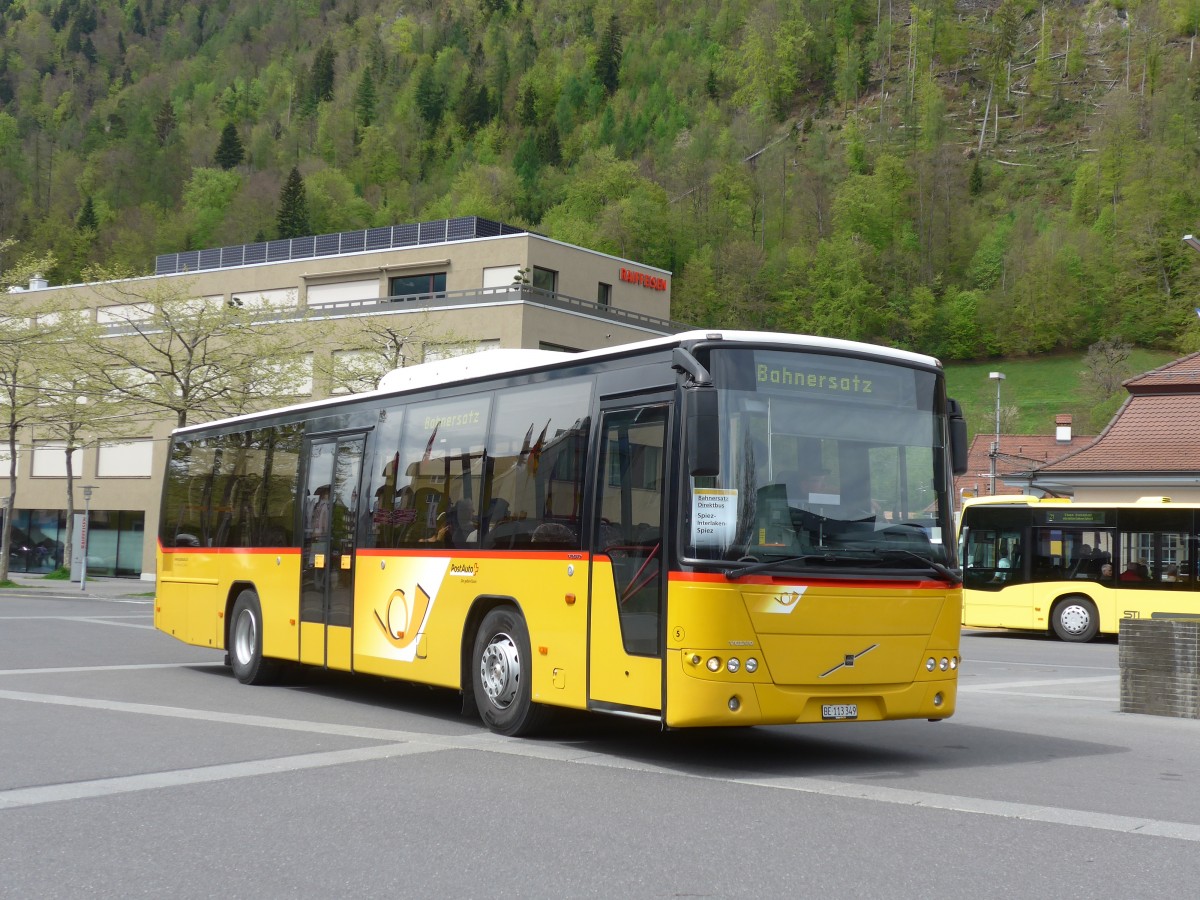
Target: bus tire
x,y
1075,619
501,669
245,642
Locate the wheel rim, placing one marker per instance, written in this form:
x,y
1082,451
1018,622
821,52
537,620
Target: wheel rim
x,y
245,634
500,671
1075,619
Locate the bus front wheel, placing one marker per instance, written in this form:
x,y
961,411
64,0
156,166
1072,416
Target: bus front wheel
x,y
501,667
1075,619
245,642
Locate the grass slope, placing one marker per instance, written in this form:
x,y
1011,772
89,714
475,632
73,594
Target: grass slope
x,y
1038,388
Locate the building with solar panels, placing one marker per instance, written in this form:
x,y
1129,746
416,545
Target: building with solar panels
x,y
478,285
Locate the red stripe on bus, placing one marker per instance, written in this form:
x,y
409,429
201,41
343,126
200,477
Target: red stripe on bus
x,y
719,578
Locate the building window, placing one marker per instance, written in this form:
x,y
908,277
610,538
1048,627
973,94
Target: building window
x,y
50,460
434,352
545,279
343,292
500,276
132,459
604,294
401,286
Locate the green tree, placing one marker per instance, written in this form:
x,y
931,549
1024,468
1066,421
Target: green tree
x,y
230,151
292,219
365,98
608,56
87,216
430,96
770,61
323,73
164,121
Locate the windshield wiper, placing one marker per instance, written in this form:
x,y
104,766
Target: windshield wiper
x,y
734,574
946,572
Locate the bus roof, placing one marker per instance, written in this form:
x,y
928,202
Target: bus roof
x,y
510,361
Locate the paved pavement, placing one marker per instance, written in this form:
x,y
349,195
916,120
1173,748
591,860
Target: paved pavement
x,y
95,589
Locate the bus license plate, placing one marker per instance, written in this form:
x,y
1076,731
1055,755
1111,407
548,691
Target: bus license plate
x,y
839,711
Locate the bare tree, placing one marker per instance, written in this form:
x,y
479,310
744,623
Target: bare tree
x,y
19,345
74,408
1106,367
375,346
164,349
23,345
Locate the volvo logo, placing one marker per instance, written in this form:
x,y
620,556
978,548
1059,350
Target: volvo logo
x,y
849,660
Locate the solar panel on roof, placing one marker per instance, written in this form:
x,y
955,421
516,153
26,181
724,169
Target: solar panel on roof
x,y
432,232
408,235
379,238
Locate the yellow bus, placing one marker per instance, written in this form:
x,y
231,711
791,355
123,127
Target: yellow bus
x,y
625,530
1077,569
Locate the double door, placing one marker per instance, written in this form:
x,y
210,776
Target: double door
x,y
331,512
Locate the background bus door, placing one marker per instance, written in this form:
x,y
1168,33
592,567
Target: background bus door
x,y
625,653
327,562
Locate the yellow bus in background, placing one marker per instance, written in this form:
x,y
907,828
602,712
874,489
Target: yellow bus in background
x,y
711,529
1077,569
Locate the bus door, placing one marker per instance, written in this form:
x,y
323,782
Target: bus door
x,y
332,494
628,586
997,579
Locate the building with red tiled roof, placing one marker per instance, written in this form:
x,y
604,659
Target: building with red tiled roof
x,y
1150,448
1017,455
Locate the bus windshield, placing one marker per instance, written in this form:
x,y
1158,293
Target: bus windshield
x,y
827,461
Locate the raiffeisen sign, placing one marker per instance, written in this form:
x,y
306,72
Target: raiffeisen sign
x,y
654,282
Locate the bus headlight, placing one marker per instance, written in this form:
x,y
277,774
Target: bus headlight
x,y
733,665
944,664
714,664
930,664
953,663
752,665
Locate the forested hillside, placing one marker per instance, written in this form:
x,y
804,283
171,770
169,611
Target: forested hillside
x,y
967,179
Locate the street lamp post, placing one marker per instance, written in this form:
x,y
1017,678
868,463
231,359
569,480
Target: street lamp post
x,y
996,377
83,543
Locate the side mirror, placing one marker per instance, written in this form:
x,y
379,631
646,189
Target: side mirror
x,y
958,437
703,431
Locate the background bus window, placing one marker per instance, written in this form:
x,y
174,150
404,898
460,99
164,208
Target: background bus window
x,y
994,558
1154,546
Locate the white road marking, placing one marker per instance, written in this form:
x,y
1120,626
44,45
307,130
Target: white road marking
x,y
400,743
63,670
107,787
1008,686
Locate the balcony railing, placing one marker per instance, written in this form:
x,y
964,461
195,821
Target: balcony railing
x,y
375,306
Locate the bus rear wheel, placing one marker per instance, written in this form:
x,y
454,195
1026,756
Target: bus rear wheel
x,y
1075,619
245,642
501,669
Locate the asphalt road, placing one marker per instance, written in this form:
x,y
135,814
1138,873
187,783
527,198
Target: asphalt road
x,y
135,766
